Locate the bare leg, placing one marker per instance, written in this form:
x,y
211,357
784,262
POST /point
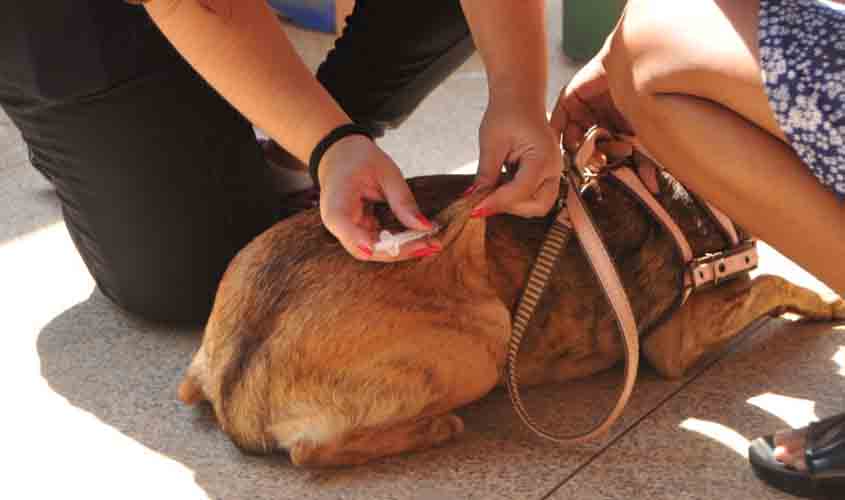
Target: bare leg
x,y
687,77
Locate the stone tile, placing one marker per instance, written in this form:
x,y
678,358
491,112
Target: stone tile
x,y
27,200
124,373
694,446
794,358
12,149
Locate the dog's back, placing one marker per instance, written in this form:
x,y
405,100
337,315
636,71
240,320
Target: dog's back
x,y
340,361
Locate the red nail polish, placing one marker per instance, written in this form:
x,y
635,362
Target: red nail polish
x,y
469,191
367,250
422,218
481,213
425,252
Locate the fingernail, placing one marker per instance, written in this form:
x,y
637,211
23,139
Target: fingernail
x,y
469,190
426,252
481,213
422,218
367,250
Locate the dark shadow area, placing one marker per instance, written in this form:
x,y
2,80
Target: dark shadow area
x,y
125,372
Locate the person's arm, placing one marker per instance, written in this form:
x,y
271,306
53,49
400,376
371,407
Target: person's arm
x,y
586,101
239,47
511,37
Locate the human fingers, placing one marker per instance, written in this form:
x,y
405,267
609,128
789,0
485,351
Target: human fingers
x,y
400,199
531,193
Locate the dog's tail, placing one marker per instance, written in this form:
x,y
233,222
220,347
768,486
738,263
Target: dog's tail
x,y
191,389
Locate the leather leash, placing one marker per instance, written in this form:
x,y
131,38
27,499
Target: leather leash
x,y
575,217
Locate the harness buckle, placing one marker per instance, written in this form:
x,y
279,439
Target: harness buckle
x,y
719,269
599,153
713,268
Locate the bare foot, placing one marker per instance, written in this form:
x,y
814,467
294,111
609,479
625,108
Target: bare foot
x,y
789,448
781,460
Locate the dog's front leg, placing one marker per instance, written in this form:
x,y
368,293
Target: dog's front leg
x,y
712,317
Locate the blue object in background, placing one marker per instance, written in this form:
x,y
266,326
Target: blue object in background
x,y
312,14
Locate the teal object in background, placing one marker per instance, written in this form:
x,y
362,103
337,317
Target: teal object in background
x,y
586,24
312,14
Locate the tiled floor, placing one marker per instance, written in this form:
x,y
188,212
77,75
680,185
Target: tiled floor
x,y
90,409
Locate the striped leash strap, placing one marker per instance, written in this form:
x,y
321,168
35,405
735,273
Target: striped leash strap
x,y
574,217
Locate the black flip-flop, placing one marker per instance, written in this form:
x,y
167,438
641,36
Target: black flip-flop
x,y
824,451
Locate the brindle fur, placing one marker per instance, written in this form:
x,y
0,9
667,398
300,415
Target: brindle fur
x,y
339,361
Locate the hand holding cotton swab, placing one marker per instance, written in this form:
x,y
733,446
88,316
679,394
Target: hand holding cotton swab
x,y
389,243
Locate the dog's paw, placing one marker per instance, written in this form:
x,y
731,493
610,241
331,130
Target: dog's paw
x,y
837,308
445,428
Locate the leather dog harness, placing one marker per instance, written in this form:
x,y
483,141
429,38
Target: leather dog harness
x,y
590,164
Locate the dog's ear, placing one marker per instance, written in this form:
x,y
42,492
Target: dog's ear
x,y
463,235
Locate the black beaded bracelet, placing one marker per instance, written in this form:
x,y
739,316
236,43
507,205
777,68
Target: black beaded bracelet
x,y
327,142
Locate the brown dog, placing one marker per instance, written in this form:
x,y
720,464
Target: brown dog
x,y
340,361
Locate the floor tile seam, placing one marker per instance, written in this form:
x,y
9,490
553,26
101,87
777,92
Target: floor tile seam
x,y
745,337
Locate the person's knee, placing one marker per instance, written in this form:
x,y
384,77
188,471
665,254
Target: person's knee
x,y
634,62
170,299
171,288
701,49
158,271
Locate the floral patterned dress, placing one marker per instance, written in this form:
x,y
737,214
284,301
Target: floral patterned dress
x,y
802,54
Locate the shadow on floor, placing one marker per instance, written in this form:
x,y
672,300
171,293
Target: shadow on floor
x,y
125,372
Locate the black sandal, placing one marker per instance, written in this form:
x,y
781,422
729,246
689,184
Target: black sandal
x,y
824,450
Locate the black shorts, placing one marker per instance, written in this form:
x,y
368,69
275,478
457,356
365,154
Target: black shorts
x,y
161,180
